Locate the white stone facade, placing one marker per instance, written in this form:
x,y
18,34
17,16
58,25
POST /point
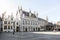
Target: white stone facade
x,y
27,21
30,21
9,23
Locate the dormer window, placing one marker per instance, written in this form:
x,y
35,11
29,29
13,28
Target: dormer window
x,y
25,13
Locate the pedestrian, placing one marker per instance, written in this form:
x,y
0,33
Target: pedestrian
x,y
13,31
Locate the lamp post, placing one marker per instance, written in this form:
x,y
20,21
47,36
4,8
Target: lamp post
x,y
13,24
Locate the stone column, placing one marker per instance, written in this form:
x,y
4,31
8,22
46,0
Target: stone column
x,y
37,28
27,29
30,28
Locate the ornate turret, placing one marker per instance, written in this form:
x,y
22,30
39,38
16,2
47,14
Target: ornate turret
x,y
36,14
12,16
29,12
21,8
3,14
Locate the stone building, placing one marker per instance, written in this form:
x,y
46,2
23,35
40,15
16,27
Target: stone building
x,y
0,24
9,23
57,27
24,21
50,26
30,22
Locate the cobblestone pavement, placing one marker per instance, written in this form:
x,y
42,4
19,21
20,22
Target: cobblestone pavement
x,y
28,36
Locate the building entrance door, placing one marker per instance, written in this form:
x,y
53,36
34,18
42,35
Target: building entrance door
x,y
26,29
33,29
17,29
38,29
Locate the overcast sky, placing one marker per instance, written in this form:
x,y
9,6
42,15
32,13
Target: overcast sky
x,y
50,8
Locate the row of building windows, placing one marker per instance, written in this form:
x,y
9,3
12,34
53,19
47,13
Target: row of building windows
x,y
5,22
7,27
32,22
28,22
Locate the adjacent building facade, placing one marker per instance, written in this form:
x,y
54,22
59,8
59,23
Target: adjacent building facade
x,y
9,23
57,26
0,24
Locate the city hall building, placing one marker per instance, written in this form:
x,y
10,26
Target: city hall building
x,y
24,21
30,22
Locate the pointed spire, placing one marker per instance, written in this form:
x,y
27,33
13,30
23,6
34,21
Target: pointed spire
x,y
37,13
3,14
16,12
8,16
34,12
30,10
21,8
11,14
18,8
47,18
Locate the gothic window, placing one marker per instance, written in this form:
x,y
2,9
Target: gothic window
x,y
11,27
23,22
5,22
9,22
8,27
5,27
33,15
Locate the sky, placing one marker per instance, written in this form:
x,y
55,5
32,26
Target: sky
x,y
50,8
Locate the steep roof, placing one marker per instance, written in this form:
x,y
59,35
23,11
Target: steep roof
x,y
27,14
41,19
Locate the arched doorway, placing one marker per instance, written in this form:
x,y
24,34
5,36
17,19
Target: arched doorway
x,y
38,29
17,29
33,29
25,29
